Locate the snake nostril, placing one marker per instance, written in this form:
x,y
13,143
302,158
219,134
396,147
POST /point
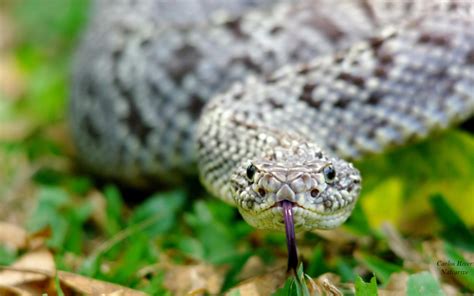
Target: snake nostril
x,y
314,192
350,188
262,192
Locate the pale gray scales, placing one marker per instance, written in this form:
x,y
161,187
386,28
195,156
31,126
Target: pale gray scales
x,y
353,78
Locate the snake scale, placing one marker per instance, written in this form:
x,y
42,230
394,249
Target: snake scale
x,y
268,101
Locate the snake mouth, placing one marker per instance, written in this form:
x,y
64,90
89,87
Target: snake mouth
x,y
303,218
297,206
287,207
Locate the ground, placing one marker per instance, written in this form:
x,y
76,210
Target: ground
x,y
62,231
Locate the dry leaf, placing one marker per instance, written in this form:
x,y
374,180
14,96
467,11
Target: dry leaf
x,y
12,83
60,133
12,236
399,245
37,240
99,205
13,291
183,280
35,266
89,286
253,267
34,274
327,284
16,187
261,285
397,284
15,130
337,236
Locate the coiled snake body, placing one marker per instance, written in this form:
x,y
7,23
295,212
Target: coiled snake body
x,y
267,100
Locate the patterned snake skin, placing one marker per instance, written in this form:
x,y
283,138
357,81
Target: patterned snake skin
x,y
267,100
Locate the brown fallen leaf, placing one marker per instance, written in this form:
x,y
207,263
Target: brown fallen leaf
x,y
399,245
89,286
12,236
99,213
12,81
253,267
337,236
30,274
193,279
37,239
32,267
15,130
261,285
16,187
327,285
397,284
60,133
12,291
35,273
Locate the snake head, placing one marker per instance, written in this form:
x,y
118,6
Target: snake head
x,y
322,189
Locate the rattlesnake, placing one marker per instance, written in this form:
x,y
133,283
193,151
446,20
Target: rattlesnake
x,y
267,100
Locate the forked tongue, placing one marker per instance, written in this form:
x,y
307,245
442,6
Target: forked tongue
x,y
290,234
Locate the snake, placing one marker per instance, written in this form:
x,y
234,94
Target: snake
x,y
269,103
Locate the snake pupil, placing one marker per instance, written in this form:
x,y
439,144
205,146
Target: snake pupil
x,y
314,192
251,171
261,192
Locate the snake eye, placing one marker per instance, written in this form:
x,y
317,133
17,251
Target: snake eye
x,y
329,174
251,169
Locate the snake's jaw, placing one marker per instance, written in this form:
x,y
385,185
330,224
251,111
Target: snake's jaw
x,y
323,191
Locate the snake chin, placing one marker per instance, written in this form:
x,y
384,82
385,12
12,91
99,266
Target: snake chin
x,y
322,189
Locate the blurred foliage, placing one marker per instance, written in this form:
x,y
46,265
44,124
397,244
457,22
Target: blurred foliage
x,y
424,190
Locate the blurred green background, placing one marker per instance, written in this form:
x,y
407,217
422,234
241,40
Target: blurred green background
x,y
425,191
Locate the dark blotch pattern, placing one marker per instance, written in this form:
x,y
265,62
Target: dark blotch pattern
x,y
136,124
196,104
307,97
328,28
470,57
90,129
356,80
185,60
386,59
235,27
248,63
90,88
376,43
145,43
368,11
437,40
374,99
275,104
134,119
275,30
237,96
271,79
342,103
380,72
305,69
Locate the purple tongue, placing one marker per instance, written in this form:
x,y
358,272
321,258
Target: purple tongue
x,y
290,234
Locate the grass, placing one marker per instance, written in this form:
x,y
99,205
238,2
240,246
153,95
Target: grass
x,y
416,210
